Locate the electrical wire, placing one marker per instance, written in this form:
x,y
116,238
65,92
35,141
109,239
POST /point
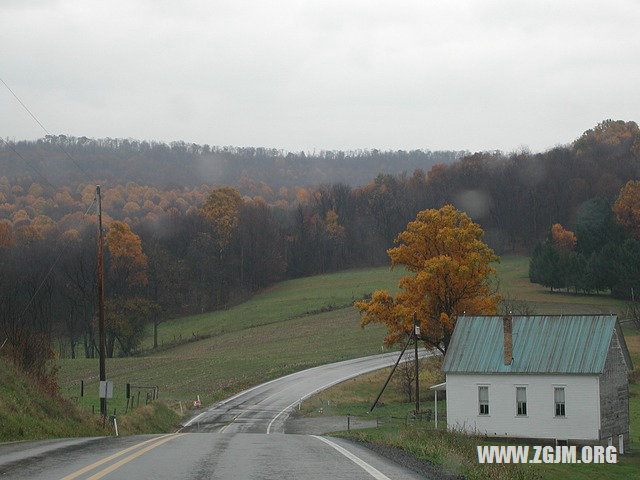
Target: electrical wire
x,y
28,164
46,131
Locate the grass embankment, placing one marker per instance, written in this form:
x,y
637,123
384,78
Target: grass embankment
x,y
456,453
29,412
294,325
156,417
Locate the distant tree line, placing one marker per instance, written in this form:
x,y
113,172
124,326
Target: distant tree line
x,y
252,171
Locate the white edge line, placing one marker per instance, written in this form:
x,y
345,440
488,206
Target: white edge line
x,y
335,382
239,394
374,472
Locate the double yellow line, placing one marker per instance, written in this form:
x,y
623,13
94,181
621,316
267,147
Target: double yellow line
x,y
158,441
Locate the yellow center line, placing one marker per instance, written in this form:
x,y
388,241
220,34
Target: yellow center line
x,y
111,457
119,463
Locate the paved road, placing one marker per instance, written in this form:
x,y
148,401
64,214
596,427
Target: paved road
x,y
236,439
265,408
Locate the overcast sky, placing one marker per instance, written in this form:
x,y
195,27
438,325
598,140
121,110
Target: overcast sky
x,y
343,74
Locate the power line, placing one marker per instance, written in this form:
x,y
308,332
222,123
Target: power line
x,y
45,130
29,164
24,106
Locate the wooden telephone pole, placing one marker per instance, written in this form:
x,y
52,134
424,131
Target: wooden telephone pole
x,y
101,327
416,334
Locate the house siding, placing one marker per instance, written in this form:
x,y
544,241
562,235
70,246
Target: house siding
x,y
582,402
614,394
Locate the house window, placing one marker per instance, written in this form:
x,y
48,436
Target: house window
x,y
558,397
483,400
521,401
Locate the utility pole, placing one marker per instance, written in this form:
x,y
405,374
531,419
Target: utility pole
x,y
416,334
101,328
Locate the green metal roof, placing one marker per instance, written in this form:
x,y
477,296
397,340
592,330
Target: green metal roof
x,y
541,344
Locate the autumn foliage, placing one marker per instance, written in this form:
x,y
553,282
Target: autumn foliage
x,y
450,267
563,239
222,208
128,262
627,208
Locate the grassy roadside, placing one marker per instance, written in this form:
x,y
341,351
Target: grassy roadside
x,y
29,412
356,396
157,417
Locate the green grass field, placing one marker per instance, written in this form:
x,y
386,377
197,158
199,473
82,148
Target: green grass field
x,y
302,297
294,325
513,282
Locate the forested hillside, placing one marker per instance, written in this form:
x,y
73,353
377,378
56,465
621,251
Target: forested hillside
x,y
175,248
66,161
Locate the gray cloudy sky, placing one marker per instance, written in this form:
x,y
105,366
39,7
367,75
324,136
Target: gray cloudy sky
x,y
327,74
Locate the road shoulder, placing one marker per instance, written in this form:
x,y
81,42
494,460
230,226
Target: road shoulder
x,y
403,458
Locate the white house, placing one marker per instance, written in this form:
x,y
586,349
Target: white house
x,y
543,377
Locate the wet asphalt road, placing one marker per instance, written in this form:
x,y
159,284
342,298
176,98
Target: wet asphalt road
x,y
239,438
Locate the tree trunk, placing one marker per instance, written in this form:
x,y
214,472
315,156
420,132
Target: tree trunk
x,y
87,347
111,341
155,333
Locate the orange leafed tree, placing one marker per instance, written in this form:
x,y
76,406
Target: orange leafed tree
x,y
627,208
563,239
451,269
223,207
128,262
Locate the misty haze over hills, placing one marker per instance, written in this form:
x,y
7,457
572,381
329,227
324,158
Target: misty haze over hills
x,y
119,161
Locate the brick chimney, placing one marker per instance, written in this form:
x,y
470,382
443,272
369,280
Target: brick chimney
x,y
507,328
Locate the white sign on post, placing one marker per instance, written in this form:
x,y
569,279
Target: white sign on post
x,y
106,389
